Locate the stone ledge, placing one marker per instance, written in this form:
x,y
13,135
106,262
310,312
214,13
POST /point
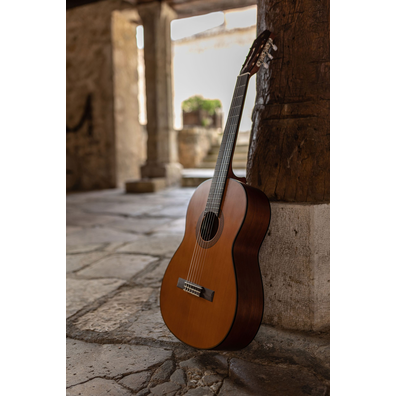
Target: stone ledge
x,y
146,185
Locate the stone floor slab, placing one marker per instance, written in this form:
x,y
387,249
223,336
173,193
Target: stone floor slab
x,y
164,371
150,325
86,361
177,227
98,387
121,266
74,262
157,245
137,381
76,249
201,391
178,377
70,229
125,209
99,235
118,310
229,388
82,219
170,211
153,278
201,364
81,292
168,388
139,225
275,380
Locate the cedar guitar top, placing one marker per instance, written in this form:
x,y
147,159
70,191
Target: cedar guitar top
x,y
212,294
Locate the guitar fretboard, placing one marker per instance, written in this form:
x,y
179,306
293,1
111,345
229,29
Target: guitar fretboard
x,y
227,145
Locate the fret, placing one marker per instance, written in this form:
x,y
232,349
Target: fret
x,y
227,145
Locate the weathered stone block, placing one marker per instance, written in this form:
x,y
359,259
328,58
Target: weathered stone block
x,y
145,185
194,143
163,372
98,387
99,235
121,266
159,244
120,309
272,381
74,262
168,388
86,360
178,377
295,265
81,292
150,325
136,381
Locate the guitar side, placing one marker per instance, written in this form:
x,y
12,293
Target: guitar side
x,y
250,292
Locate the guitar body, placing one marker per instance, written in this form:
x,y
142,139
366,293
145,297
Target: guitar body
x,y
226,265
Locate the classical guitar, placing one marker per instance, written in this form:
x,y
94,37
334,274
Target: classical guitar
x,y
212,293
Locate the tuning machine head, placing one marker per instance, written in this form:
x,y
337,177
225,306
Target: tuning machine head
x,y
259,53
274,47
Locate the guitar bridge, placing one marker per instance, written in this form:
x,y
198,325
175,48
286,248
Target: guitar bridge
x,y
195,290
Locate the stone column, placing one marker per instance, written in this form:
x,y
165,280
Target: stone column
x,y
101,62
289,160
162,157
289,155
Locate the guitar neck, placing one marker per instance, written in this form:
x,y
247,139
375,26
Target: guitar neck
x,y
226,152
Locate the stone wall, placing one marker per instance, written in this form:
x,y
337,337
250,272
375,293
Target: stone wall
x,y
107,155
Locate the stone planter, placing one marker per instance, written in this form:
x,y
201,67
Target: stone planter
x,y
194,142
201,118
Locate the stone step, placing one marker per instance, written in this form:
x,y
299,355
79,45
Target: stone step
x,y
193,181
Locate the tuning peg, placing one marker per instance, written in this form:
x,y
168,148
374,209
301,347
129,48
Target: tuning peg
x,y
270,56
265,65
274,47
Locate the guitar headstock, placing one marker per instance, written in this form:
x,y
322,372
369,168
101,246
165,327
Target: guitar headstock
x,y
260,53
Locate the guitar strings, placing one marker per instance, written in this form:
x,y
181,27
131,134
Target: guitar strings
x,y
221,179
220,184
227,152
212,196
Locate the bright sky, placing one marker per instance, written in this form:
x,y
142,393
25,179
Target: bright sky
x,y
181,28
192,63
186,27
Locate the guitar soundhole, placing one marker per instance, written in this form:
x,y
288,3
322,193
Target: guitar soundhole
x,y
209,226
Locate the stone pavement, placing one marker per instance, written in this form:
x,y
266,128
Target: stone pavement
x,y
118,247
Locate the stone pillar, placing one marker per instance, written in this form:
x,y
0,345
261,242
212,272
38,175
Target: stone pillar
x,y
129,136
289,155
289,160
101,63
162,156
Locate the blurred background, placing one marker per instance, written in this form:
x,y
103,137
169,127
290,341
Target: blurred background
x,y
107,104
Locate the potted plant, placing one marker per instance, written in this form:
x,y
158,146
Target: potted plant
x,y
202,112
